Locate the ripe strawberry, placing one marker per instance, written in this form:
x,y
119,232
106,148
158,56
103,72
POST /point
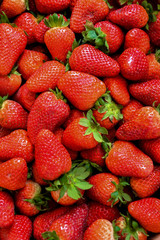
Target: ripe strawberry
x,y
146,92
87,10
25,97
88,59
46,76
6,210
30,61
154,66
134,64
12,43
99,211
16,144
146,187
137,38
154,31
74,113
13,8
147,212
27,22
99,230
129,110
151,148
21,229
9,84
118,88
43,221
47,7
125,159
4,132
48,112
145,124
72,4
130,16
13,174
36,176
69,226
79,88
59,38
51,157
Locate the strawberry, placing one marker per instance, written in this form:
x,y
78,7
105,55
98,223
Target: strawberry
x,y
21,229
43,221
46,76
146,92
36,176
88,59
147,212
99,230
6,210
30,61
12,115
72,4
137,38
87,10
51,157
47,7
59,38
134,64
4,132
145,124
99,211
118,88
154,31
130,16
146,187
16,144
74,113
79,88
154,65
13,174
27,22
47,112
9,84
13,8
151,148
125,159
69,226
129,110
25,97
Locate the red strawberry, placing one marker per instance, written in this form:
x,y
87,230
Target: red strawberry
x,y
130,16
137,38
134,64
21,229
146,92
6,210
74,113
129,110
59,38
13,174
154,31
4,132
49,6
72,4
145,124
30,61
147,212
154,65
118,89
99,230
125,159
36,176
12,115
88,59
13,8
146,187
48,112
79,88
51,157
87,10
16,144
46,76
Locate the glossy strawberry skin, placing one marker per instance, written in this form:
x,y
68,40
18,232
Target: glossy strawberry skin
x,y
129,110
154,31
147,212
74,113
13,174
51,157
48,112
154,67
13,8
47,7
6,210
81,89
125,159
12,43
9,84
36,176
87,59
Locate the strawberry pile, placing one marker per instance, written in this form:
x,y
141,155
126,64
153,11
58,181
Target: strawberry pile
x,y
79,119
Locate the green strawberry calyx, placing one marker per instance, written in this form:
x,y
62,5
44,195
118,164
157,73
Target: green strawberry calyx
x,y
157,55
93,127
14,71
125,1
74,45
58,94
109,5
50,235
95,36
56,21
151,13
27,4
4,19
2,100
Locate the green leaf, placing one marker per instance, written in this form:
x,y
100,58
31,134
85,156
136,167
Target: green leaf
x,y
4,18
73,192
88,131
62,192
2,100
97,136
103,130
50,235
83,185
56,21
27,4
84,122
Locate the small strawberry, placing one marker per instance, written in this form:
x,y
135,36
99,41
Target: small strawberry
x,y
154,31
47,7
13,174
13,8
6,210
154,65
129,110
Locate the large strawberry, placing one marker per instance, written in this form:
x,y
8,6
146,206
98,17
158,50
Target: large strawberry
x,y
49,6
129,110
6,210
13,8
